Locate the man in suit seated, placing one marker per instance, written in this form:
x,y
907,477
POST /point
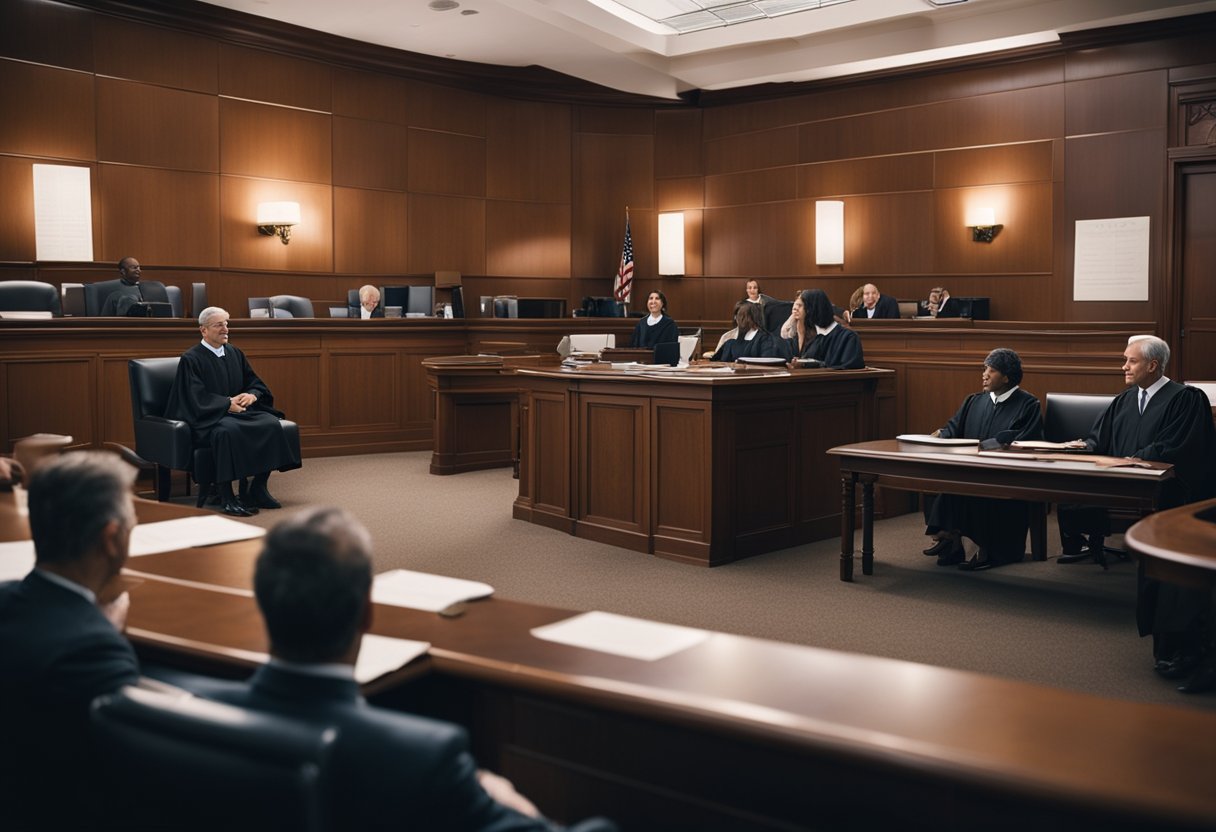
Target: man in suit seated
x,y
131,290
369,303
219,395
60,640
1163,421
391,770
874,304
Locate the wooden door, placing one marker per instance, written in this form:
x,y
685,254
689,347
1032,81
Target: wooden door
x,y
1196,258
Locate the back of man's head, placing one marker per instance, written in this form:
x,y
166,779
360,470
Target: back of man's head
x,y
312,582
72,498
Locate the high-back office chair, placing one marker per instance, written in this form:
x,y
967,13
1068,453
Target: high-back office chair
x,y
95,294
421,300
1071,416
192,764
776,313
295,305
174,295
198,299
29,296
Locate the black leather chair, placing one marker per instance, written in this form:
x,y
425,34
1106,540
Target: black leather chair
x,y
1071,415
192,764
174,295
198,298
29,296
95,294
294,305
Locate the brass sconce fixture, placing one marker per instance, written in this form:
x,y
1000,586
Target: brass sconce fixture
x,y
983,225
277,218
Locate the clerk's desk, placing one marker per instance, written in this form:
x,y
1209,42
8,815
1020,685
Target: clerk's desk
x,y
734,734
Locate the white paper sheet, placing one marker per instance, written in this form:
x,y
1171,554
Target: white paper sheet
x,y
16,559
620,635
381,655
185,532
1110,259
423,591
927,439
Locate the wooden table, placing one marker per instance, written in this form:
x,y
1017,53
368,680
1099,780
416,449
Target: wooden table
x,y
1178,545
733,734
697,468
955,470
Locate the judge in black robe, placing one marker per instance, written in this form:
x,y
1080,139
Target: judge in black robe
x,y
1175,426
874,304
657,328
997,526
228,407
751,340
818,336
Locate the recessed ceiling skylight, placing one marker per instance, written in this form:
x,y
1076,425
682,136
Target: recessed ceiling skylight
x,y
685,16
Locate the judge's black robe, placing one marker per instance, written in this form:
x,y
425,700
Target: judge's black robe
x,y
840,349
646,336
885,307
998,526
252,442
762,346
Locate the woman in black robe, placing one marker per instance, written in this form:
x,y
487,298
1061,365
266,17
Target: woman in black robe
x,y
751,341
657,328
819,336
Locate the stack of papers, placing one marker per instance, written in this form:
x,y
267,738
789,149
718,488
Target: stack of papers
x,y
620,635
423,591
187,532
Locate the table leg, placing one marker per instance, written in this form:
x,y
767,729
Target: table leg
x,y
867,526
847,508
1038,531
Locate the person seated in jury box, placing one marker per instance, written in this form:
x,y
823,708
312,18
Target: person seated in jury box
x,y
119,302
874,304
947,307
978,533
390,770
750,341
657,327
369,302
1159,420
227,406
817,335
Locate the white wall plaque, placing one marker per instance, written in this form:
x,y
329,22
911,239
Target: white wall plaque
x,y
1111,259
63,213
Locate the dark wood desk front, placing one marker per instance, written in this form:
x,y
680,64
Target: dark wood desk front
x,y
735,733
1178,545
963,471
702,469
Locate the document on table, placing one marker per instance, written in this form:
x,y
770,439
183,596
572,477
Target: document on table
x,y
926,439
16,559
381,655
620,635
423,591
187,532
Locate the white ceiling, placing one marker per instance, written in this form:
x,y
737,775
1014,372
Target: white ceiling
x,y
609,44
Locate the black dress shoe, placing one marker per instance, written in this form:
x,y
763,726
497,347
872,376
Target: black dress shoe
x,y
1084,554
262,499
978,563
1178,666
235,509
1203,680
941,547
952,558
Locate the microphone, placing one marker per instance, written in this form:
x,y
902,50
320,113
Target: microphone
x,y
999,442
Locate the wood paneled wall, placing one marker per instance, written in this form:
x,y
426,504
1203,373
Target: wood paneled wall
x,y
186,132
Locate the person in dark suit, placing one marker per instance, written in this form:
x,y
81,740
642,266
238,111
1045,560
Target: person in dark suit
x,y
219,395
947,307
1163,421
131,290
817,335
997,527
369,303
391,770
751,340
60,640
657,327
874,304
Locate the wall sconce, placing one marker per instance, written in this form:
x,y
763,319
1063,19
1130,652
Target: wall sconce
x,y
983,225
829,232
671,243
277,218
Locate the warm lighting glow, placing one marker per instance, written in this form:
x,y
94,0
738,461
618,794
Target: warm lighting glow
x,y
829,232
982,222
277,218
671,243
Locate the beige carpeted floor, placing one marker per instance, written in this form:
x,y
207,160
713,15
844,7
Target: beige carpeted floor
x,y
1069,626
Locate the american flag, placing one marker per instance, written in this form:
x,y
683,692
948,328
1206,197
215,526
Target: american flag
x,y
623,285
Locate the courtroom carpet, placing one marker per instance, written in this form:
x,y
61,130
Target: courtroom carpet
x,y
1070,626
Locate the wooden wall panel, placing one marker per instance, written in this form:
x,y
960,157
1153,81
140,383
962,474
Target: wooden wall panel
x,y
278,79
679,194
17,230
527,239
1148,54
752,151
759,240
446,163
433,107
47,112
528,151
24,34
1031,162
294,381
370,154
242,247
370,232
363,389
162,217
883,174
612,172
1121,102
155,55
64,393
752,187
274,142
446,233
368,95
145,125
617,120
885,234
677,143
1024,244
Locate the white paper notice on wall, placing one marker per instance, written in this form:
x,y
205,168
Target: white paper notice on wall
x,y
1111,260
63,213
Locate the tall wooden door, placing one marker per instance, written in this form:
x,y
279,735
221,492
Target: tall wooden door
x,y
1196,258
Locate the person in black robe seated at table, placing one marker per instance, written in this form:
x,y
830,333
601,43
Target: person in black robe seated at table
x,y
751,340
997,527
657,328
874,304
817,334
369,304
119,302
219,395
1159,420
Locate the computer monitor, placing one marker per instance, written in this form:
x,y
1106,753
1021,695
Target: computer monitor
x,y
398,296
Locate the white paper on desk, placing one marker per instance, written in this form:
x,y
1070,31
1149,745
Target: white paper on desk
x,y
928,439
423,591
16,559
381,655
620,635
188,532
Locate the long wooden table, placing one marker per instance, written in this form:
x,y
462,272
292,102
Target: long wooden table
x,y
955,470
733,734
694,467
1178,545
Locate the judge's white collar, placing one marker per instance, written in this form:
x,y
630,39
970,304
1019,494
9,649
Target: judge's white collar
x,y
219,351
824,330
998,399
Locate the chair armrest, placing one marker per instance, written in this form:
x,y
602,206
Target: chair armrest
x,y
164,441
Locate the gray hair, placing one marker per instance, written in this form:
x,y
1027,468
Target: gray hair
x,y
366,291
1152,348
72,498
207,315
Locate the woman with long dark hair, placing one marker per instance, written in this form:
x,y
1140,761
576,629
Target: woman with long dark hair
x,y
817,334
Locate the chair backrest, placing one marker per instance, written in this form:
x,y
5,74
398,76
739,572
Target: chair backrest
x,y
205,765
72,298
299,307
28,296
198,298
688,347
151,379
421,299
584,342
909,308
1071,415
259,307
95,295
776,313
174,294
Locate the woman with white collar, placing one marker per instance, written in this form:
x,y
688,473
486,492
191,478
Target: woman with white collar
x,y
656,328
817,335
